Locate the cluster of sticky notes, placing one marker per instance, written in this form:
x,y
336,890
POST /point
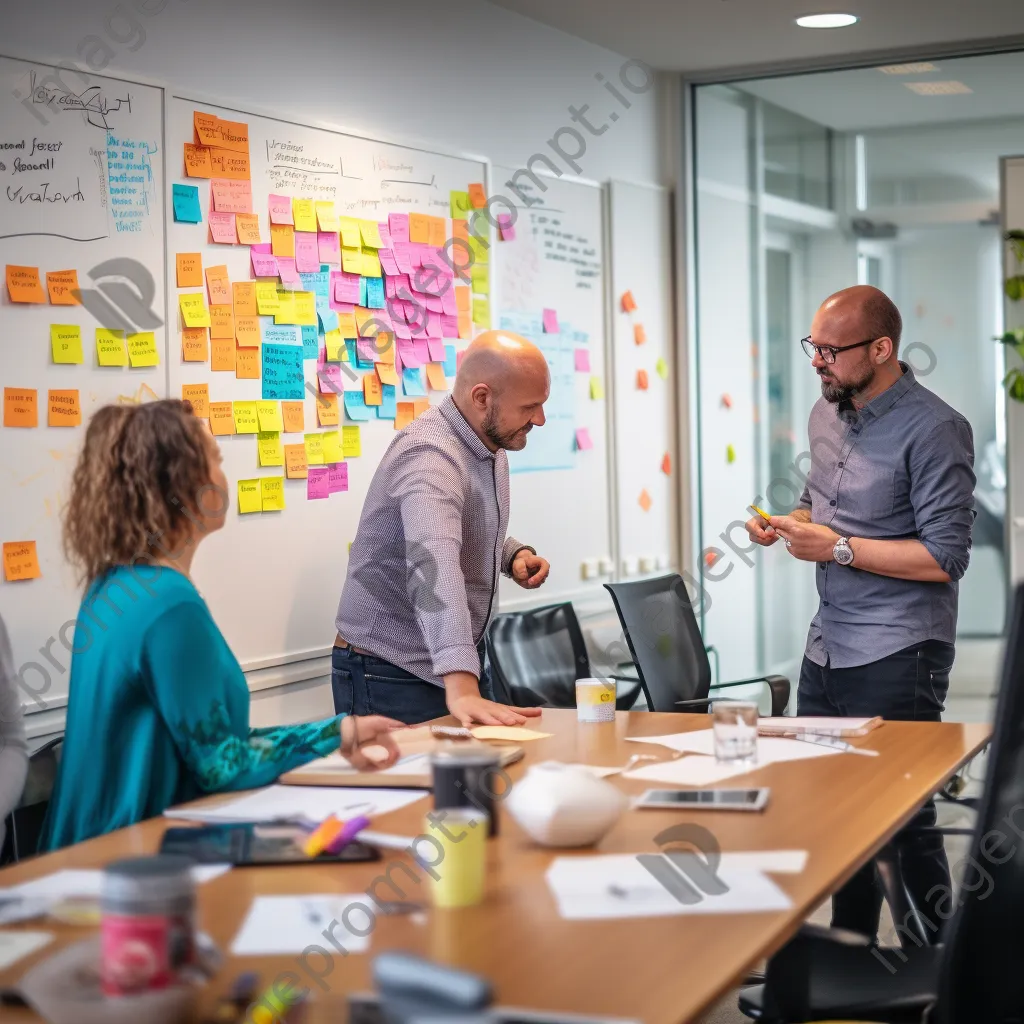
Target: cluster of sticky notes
x,y
220,148
24,285
21,407
21,561
261,494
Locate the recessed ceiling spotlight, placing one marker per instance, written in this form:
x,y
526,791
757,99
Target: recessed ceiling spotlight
x,y
827,20
909,69
939,88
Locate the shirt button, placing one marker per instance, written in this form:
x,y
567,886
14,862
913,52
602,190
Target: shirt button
x,y
840,465
856,430
833,502
821,566
825,603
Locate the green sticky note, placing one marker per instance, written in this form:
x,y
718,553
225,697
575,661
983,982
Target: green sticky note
x,y
662,368
482,312
481,278
730,454
596,389
460,205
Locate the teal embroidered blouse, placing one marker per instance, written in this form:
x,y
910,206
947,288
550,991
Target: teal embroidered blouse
x,y
158,710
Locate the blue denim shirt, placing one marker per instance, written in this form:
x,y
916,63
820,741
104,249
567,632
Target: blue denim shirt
x,y
900,467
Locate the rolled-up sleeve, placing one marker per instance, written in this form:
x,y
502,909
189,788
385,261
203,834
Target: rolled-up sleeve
x,y
508,552
942,484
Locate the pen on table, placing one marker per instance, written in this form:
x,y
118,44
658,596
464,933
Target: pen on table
x,y
835,743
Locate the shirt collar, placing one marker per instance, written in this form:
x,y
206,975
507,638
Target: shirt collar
x,y
468,436
881,404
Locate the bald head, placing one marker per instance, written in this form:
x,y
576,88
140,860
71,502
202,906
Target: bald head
x,y
868,309
501,388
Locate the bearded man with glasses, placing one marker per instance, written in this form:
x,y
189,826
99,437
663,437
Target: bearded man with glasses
x,y
886,517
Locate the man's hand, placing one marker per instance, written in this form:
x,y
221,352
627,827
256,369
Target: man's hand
x,y
760,532
359,731
462,693
810,542
529,570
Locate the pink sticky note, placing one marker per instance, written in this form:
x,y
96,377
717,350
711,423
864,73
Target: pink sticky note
x,y
231,196
433,325
583,360
387,262
398,225
449,325
433,303
281,210
505,227
436,349
385,234
422,352
402,258
330,250
318,483
583,442
307,258
402,330
346,287
263,264
321,359
416,255
289,271
337,477
367,350
449,306
222,227
407,350
550,321
330,379
264,248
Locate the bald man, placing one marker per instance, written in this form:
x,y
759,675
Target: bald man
x,y
423,571
886,517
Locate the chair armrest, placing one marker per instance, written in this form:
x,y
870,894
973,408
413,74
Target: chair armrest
x,y
778,685
705,701
625,679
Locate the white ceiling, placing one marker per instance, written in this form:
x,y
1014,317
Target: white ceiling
x,y
700,35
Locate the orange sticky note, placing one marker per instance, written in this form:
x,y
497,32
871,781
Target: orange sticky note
x,y
247,331
371,389
477,196
21,407
189,268
386,373
195,346
21,561
419,228
226,164
65,408
666,464
222,353
247,226
462,298
645,500
282,240
198,395
197,161
222,420
207,127
295,466
420,406
327,410
222,321
465,322
247,363
294,417
628,302
62,286
218,286
234,135
243,298
404,414
641,380
436,231
435,377
639,334
23,284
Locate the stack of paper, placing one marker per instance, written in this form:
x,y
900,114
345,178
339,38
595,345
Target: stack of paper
x,y
282,925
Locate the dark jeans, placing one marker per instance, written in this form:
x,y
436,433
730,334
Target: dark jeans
x,y
909,685
364,685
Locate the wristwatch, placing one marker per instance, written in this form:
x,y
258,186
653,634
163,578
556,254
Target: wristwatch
x,y
842,552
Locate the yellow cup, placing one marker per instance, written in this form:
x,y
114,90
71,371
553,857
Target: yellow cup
x,y
461,871
595,700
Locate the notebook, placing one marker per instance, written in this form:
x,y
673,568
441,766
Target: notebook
x,y
820,726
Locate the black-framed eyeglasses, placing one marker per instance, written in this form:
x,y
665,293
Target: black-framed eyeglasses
x,y
828,353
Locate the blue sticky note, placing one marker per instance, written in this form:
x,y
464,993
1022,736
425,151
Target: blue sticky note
x,y
328,320
310,342
279,334
185,199
412,381
356,407
354,359
451,361
374,292
388,408
362,291
282,372
318,284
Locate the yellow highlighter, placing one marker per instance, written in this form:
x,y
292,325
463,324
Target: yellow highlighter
x,y
323,836
764,515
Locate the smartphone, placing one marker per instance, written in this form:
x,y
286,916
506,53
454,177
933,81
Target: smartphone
x,y
705,799
245,845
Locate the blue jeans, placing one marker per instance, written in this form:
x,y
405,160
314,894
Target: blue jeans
x,y
364,685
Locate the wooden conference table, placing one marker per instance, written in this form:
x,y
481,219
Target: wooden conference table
x,y
660,970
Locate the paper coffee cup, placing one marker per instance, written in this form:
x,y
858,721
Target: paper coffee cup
x,y
595,700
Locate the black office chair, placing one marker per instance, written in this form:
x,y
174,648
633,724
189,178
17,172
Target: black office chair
x,y
536,657
25,822
668,650
975,975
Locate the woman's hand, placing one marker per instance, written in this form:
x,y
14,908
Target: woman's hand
x,y
359,731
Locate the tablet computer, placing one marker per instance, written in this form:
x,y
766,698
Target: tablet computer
x,y
243,845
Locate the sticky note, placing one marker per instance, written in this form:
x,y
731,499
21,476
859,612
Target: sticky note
x,y
502,733
459,205
282,240
231,196
730,454
355,406
142,349
21,407
435,377
371,388
193,309
307,252
222,354
222,228
386,373
247,331
388,409
550,320
268,443
197,161
645,500
337,477
419,228
666,464
294,417
264,264
269,416
23,284
412,382
268,301
247,362
65,408
185,203
62,287
641,380
234,135
639,334
477,196
352,443
314,449
222,419
481,314
243,298
583,442
189,269
303,215
246,418
198,396
249,497
110,350
596,389
227,164
661,367
295,466
451,363
628,302
21,561
222,321
506,227
332,447
480,276
405,415
218,286
247,228
318,483
282,372
280,209
583,360
66,343
304,308
327,414
326,218
207,128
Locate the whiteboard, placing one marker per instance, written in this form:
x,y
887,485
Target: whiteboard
x,y
560,495
644,421
93,194
273,579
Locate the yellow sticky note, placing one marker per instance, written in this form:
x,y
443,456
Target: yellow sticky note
x,y
332,447
249,497
662,368
272,493
198,396
347,323
282,240
335,345
304,215
481,312
267,300
246,418
327,410
193,309
596,389
351,441
66,343
481,279
269,414
305,308
349,228
110,350
326,218
294,417
221,419
314,449
351,259
370,264
65,408
370,234
285,307
295,467
511,733
142,349
269,444
21,562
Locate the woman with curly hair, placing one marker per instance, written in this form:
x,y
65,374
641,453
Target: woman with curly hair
x,y
158,709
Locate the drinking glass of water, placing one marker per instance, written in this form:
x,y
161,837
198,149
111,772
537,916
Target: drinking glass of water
x,y
735,728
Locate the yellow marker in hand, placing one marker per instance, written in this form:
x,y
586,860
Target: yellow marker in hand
x,y
764,515
323,836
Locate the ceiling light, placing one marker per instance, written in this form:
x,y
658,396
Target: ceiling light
x,y
827,20
908,69
938,88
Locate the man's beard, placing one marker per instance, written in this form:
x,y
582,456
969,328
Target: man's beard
x,y
494,435
836,392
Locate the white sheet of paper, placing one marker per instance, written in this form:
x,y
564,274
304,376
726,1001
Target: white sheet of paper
x,y
282,925
585,889
335,764
15,945
692,770
598,771
312,803
770,749
62,885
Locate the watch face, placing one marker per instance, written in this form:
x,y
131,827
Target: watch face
x,y
842,553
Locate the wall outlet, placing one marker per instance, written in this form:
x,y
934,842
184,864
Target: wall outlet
x,y
630,566
606,566
589,569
